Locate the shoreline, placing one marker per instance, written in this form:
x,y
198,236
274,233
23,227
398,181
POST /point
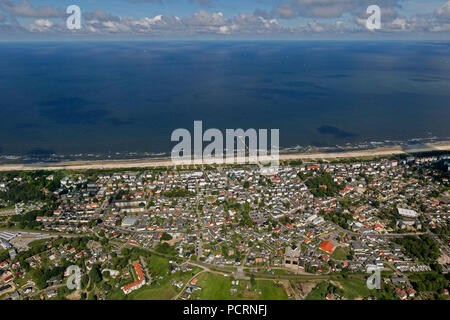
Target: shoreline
x,y
167,162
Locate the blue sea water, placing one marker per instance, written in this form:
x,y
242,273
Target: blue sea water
x,y
80,97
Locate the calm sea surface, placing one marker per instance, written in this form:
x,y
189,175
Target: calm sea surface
x,y
130,96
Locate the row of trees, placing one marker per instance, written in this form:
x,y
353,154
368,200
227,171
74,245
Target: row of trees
x,y
430,282
423,247
323,185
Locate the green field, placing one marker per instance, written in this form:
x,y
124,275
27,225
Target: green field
x,y
353,288
37,242
164,291
214,287
157,265
161,291
340,253
218,287
270,290
319,292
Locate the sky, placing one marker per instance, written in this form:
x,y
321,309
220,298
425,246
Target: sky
x,y
224,19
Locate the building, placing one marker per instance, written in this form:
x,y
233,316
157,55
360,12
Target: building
x,y
131,203
291,256
327,246
401,293
4,244
138,283
12,253
129,222
199,248
407,213
408,224
5,289
259,217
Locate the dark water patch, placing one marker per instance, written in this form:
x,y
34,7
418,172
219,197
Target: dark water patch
x,y
424,80
69,115
304,85
119,122
317,144
159,99
72,110
335,132
336,76
286,93
40,153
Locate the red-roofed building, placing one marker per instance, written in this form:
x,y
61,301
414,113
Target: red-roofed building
x,y
132,286
137,284
411,292
401,293
139,271
327,246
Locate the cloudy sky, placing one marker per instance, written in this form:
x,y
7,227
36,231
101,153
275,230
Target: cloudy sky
x,y
224,19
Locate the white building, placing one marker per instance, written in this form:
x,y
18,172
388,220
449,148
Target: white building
x,y
129,222
407,213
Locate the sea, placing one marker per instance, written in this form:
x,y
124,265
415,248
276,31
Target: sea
x,y
110,99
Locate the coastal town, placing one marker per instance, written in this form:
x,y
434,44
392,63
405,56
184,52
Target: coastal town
x,y
310,231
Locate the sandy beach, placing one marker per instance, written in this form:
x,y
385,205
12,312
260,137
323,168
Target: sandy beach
x,y
167,162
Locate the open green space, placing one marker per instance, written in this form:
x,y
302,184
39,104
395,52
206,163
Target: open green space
x,y
352,288
218,287
340,253
355,288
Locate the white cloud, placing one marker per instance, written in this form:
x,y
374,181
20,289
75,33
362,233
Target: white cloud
x,y
25,9
441,28
443,13
259,22
40,25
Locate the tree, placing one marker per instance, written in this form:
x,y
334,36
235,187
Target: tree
x,y
166,237
95,274
424,247
252,280
125,252
84,281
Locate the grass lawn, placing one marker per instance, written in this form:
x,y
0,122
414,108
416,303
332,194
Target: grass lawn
x,y
164,291
8,208
281,272
22,280
270,290
217,287
275,272
340,253
319,291
157,265
214,287
116,294
37,242
355,288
